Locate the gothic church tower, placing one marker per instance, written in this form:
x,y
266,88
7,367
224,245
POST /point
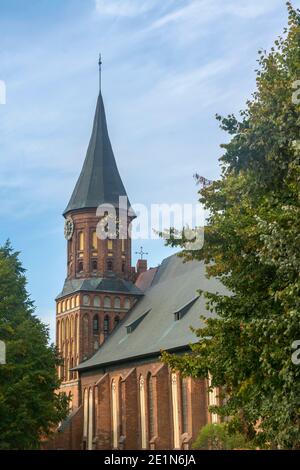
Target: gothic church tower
x,y
99,288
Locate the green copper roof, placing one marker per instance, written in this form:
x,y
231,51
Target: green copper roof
x,y
99,181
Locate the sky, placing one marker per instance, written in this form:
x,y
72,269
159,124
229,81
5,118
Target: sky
x,y
168,67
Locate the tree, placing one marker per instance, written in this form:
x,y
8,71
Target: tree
x,y
252,245
30,407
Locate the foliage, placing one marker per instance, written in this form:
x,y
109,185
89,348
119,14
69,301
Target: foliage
x,y
251,245
218,437
29,404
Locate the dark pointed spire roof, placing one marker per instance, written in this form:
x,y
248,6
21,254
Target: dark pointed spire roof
x,y
99,181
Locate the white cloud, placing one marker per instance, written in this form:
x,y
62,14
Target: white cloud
x,y
127,8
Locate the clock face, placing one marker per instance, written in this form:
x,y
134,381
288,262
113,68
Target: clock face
x,y
69,229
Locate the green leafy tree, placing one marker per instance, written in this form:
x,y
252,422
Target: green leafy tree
x,y
30,407
252,244
219,437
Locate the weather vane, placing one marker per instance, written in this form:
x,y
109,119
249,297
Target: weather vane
x,y
141,253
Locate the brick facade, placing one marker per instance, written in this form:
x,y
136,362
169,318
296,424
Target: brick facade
x,y
192,410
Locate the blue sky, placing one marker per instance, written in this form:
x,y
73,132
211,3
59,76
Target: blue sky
x,y
168,67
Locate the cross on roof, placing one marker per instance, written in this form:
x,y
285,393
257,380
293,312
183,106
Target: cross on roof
x,y
141,253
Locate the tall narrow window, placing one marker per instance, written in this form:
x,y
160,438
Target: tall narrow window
x,y
110,266
115,400
117,320
95,324
123,244
106,326
80,266
91,421
150,406
117,302
143,414
94,265
85,338
71,372
67,328
175,412
212,399
184,403
109,244
107,302
94,241
81,241
85,413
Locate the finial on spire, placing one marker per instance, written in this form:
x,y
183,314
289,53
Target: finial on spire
x,y
141,253
100,64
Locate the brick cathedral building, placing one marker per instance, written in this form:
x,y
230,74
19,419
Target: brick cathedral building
x,y
113,320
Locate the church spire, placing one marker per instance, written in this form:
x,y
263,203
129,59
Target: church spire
x,y
99,181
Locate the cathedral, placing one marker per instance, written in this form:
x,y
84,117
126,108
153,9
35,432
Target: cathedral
x,y
113,320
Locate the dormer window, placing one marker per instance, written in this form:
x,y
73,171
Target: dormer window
x,y
132,326
182,311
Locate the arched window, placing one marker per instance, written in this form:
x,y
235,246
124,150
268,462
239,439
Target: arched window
x,y
175,412
94,265
150,406
184,404
107,302
96,301
81,241
127,303
85,413
117,320
143,413
91,421
63,306
117,302
80,266
86,300
106,325
68,304
77,300
72,302
109,265
115,411
58,307
95,324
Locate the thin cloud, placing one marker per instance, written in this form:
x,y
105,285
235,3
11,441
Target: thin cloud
x,y
127,8
205,11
